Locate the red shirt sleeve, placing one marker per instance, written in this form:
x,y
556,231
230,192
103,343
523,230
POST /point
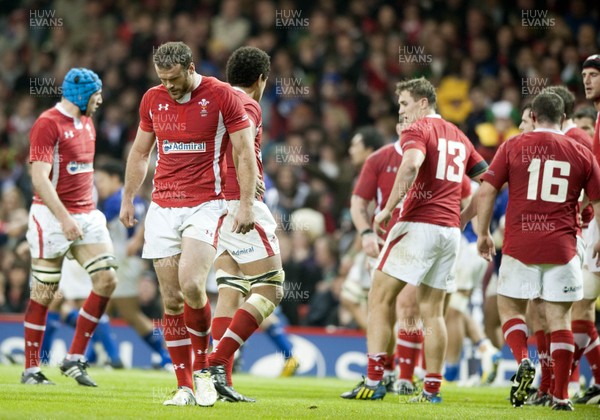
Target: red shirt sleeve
x,y
412,138
476,164
592,186
235,117
497,174
42,139
366,185
145,116
465,187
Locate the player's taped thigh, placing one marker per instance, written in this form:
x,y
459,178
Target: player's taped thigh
x,y
263,305
459,302
224,279
100,262
46,275
272,278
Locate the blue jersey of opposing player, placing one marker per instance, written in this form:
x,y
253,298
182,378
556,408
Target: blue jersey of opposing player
x,y
119,234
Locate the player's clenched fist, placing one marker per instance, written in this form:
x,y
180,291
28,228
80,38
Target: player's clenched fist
x,y
486,247
71,228
127,214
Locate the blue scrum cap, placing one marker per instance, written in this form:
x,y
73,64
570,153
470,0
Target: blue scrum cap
x,y
79,85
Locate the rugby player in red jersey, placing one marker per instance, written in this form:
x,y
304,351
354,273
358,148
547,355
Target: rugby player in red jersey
x,y
64,219
248,266
583,314
422,246
191,118
546,172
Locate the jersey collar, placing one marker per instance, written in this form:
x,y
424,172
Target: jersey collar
x,y
548,130
186,98
569,126
62,110
397,147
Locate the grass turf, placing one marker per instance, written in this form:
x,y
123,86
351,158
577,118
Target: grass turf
x,y
139,394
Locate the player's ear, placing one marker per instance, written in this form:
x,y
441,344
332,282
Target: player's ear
x,y
192,68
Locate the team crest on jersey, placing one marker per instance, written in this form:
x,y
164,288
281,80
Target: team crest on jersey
x,y
203,104
75,168
181,147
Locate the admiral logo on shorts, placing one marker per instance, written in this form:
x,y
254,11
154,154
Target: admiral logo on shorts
x,y
75,168
181,147
243,251
571,289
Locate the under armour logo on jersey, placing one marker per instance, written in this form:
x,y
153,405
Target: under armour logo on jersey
x,y
34,344
163,106
69,134
178,366
392,169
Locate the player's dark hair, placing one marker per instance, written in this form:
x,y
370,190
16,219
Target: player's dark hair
x,y
548,107
526,107
586,112
567,97
418,88
246,65
169,54
371,138
113,169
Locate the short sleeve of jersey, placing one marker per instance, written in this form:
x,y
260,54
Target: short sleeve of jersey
x,y
42,138
497,174
592,186
465,188
145,117
366,185
412,138
253,111
235,117
476,164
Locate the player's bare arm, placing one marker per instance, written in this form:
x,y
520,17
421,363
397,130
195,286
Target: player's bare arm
x,y
485,205
359,210
243,145
405,178
40,178
260,185
596,254
137,167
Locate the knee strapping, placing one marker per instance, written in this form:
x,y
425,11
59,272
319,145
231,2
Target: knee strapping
x,y
100,262
46,275
459,302
272,278
263,305
224,279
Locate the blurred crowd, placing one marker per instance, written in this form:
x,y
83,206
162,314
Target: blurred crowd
x,y
334,66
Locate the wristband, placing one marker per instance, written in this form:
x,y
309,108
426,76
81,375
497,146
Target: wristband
x,y
366,231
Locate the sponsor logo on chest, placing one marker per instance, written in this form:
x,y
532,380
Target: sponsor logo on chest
x,y
182,147
75,168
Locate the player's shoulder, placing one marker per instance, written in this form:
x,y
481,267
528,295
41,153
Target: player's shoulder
x,y
51,118
385,153
155,92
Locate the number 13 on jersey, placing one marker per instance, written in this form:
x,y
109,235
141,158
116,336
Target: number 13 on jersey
x,y
454,169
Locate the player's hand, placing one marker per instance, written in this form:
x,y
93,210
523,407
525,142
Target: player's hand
x,y
596,253
127,214
370,244
486,247
243,221
71,228
381,219
260,188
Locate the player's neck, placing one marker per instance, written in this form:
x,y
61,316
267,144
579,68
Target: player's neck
x,y
547,126
253,93
70,108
